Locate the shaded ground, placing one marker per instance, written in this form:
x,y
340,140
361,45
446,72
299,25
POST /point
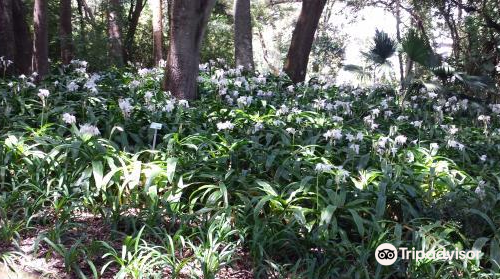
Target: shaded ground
x,y
32,259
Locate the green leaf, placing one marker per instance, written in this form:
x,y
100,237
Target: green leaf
x,y
97,172
327,214
171,165
266,187
358,221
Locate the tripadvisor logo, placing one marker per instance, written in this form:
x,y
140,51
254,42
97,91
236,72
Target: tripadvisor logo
x,y
387,254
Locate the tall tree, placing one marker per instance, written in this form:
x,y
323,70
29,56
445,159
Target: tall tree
x,y
65,31
41,39
157,9
7,47
243,34
114,33
133,17
23,42
188,21
302,39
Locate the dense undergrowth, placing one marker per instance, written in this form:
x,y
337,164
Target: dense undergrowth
x,y
298,181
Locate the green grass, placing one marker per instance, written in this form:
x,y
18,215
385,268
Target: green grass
x,y
257,180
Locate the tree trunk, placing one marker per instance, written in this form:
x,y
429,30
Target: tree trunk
x,y
398,37
157,9
65,32
243,34
7,47
133,21
41,39
24,44
114,33
188,21
302,39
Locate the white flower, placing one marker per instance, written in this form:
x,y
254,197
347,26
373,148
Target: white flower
x,y
337,119
283,110
453,130
483,158
225,126
432,95
238,83
354,147
184,103
434,146
257,127
400,140
335,134
68,118
125,106
359,136
291,131
455,144
72,86
169,106
410,157
416,124
134,84
148,96
290,88
91,85
484,118
244,101
203,67
495,108
382,141
349,137
87,129
143,72
320,167
43,93
480,192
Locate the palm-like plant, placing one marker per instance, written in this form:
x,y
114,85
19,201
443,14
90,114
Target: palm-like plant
x,y
382,49
418,49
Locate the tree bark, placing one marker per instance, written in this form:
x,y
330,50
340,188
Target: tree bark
x,y
302,39
41,39
188,21
157,9
65,32
7,47
243,35
114,33
133,21
23,41
398,37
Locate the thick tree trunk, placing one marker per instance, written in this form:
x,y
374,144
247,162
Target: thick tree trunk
x,y
188,21
114,33
157,9
302,39
243,34
41,39
24,44
15,37
65,32
133,21
7,38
